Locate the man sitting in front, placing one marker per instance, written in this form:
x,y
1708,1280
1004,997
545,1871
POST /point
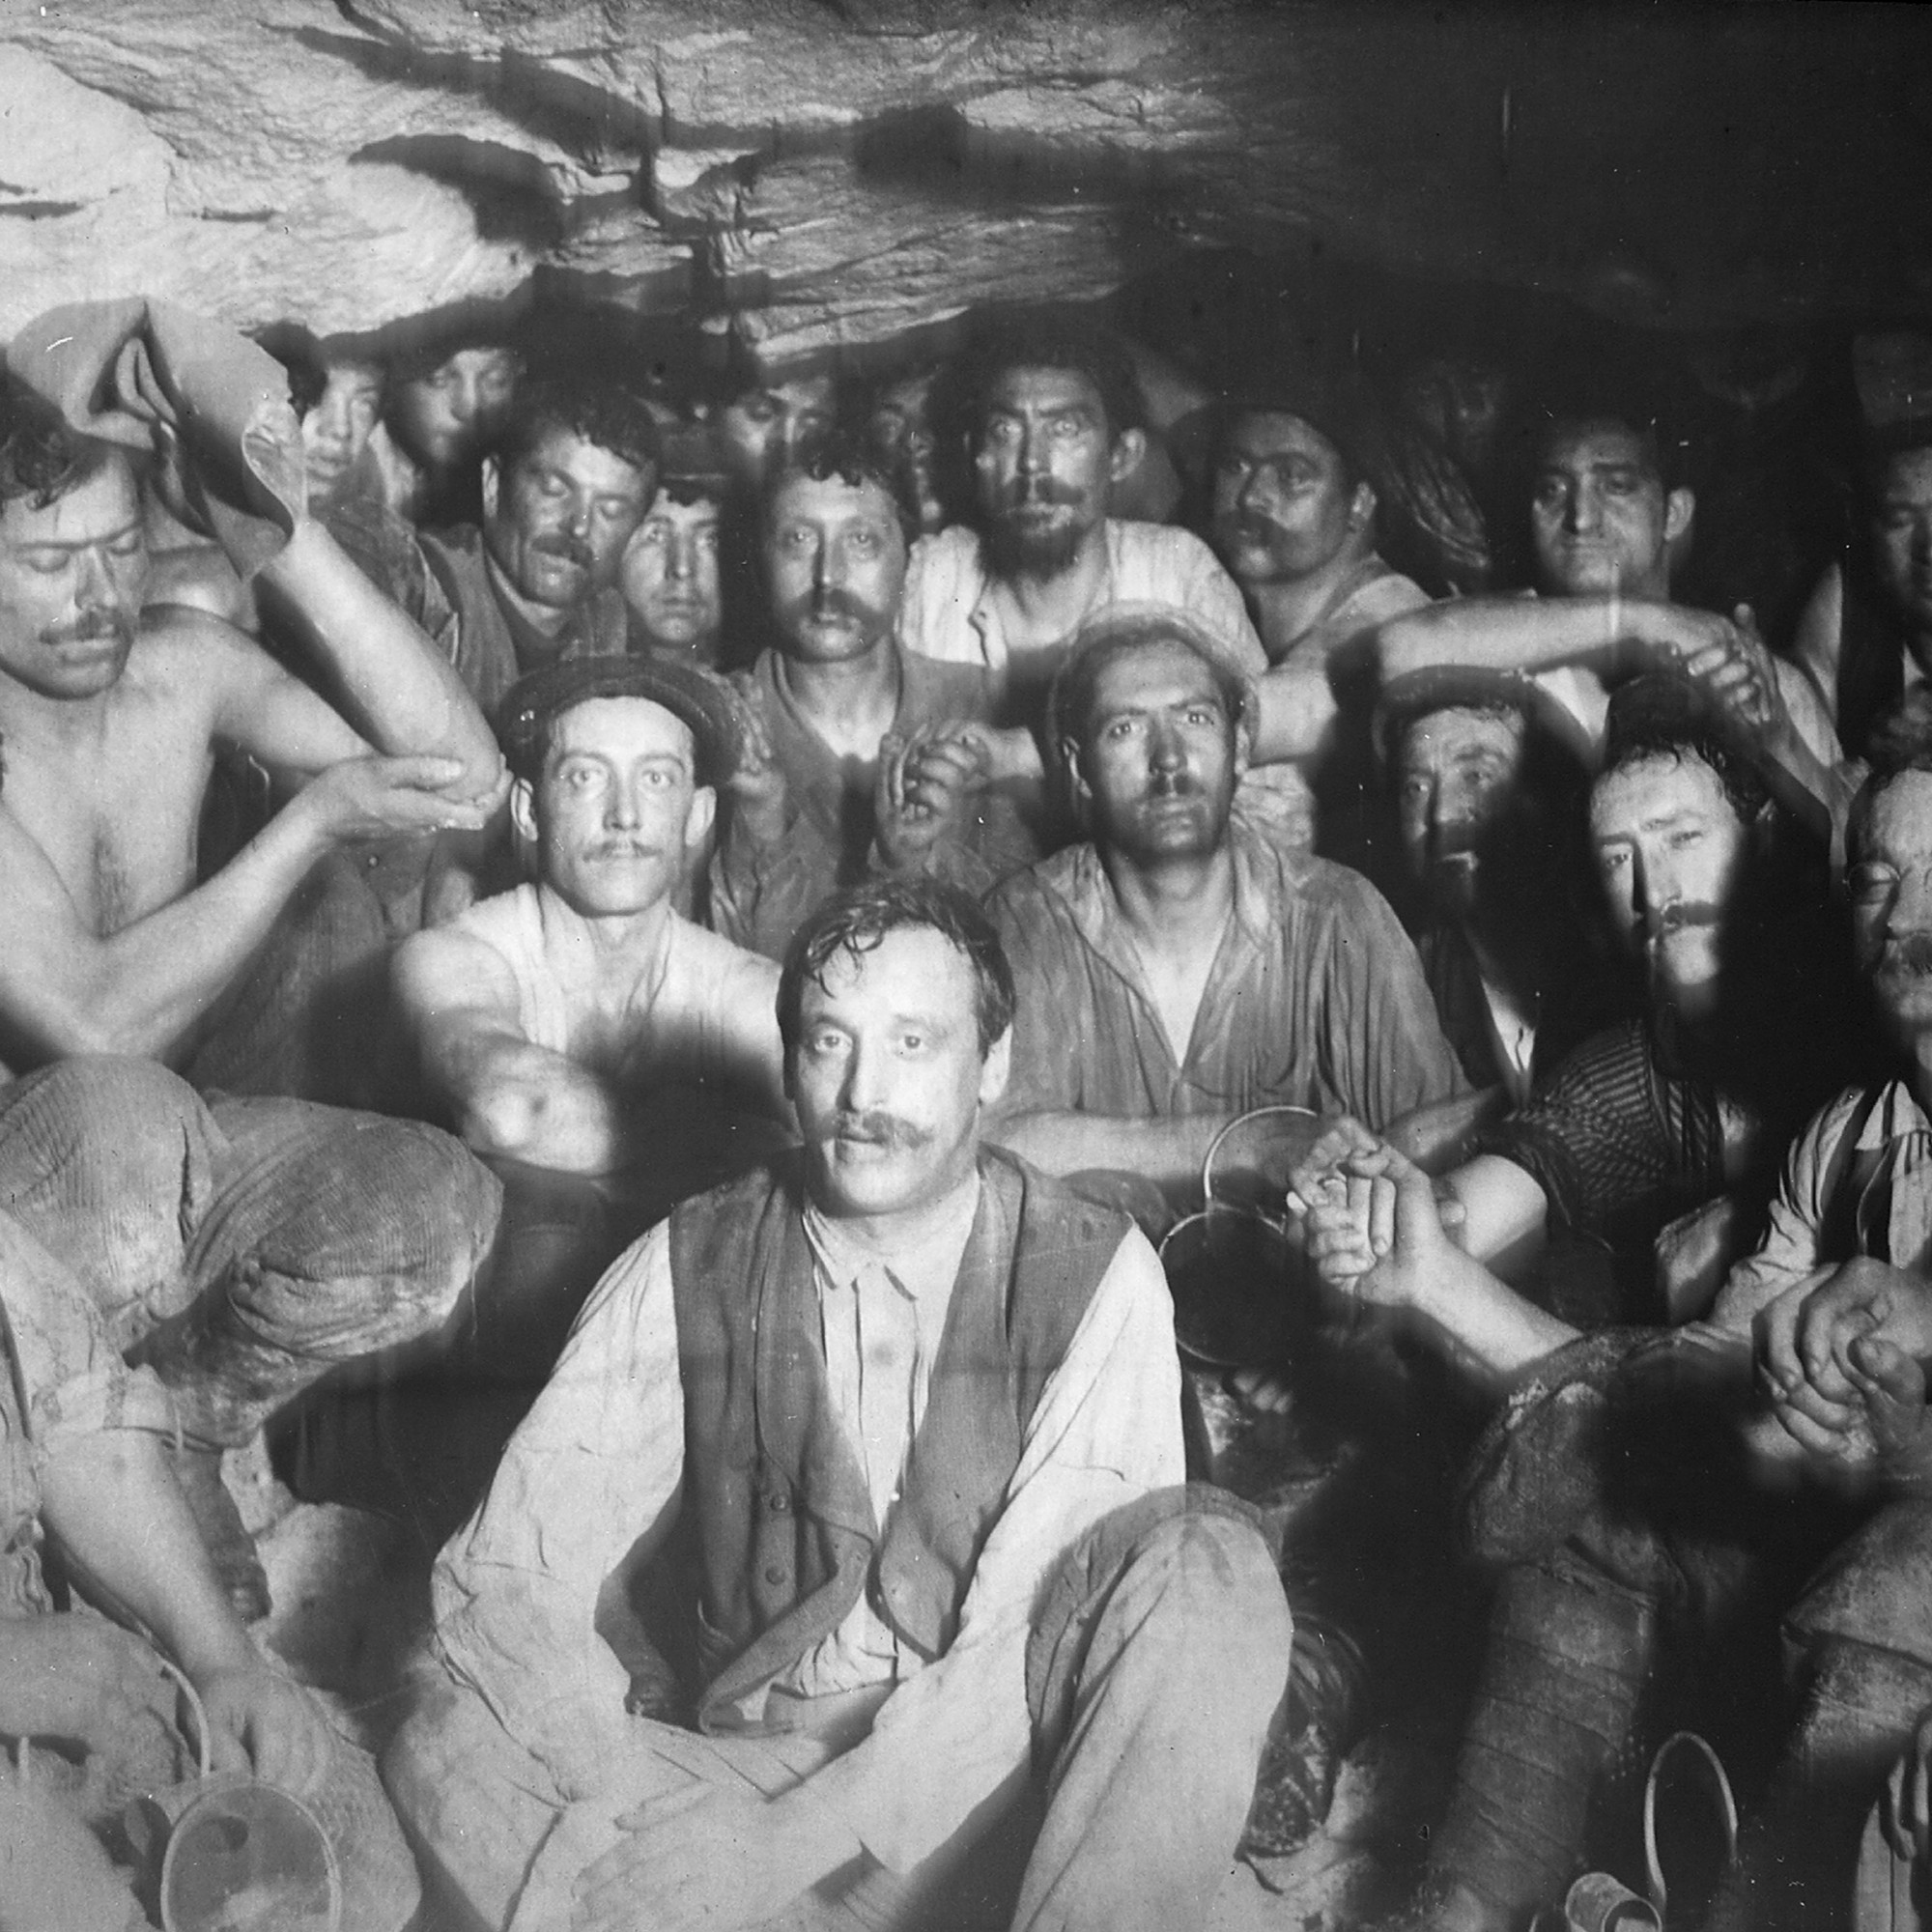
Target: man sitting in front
x,y
913,1409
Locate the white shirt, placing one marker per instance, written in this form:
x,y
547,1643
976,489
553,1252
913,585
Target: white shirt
x,y
948,610
597,1463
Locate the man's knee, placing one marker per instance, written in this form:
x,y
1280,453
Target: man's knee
x,y
1874,1590
109,1163
473,1804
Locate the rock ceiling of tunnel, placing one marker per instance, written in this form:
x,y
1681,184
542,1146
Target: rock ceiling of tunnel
x,y
826,172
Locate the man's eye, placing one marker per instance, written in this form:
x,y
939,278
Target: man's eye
x,y
1200,715
912,1042
579,777
654,535
1690,835
1117,727
825,1042
44,562
1873,882
1067,427
657,778
1614,860
131,544
707,542
1002,430
864,540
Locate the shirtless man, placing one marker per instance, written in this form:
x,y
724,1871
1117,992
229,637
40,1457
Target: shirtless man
x,y
275,1252
595,1047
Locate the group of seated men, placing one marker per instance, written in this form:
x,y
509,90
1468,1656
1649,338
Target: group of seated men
x,y
774,1044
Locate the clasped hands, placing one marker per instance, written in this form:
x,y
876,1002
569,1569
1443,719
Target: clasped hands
x,y
1374,1226
1840,1364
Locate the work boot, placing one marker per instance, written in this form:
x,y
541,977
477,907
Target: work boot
x,y
197,1468
1312,1730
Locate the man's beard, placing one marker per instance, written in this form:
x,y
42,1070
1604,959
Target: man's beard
x,y
1016,550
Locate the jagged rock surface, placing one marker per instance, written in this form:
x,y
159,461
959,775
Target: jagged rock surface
x,y
815,173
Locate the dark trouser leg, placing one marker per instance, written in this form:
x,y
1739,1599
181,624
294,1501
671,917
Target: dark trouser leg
x,y
1861,1643
1153,1675
1568,1657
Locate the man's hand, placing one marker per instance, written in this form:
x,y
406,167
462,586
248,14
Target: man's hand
x,y
924,791
258,1719
271,447
77,1678
1906,1804
757,788
1724,656
1349,1191
376,797
709,1859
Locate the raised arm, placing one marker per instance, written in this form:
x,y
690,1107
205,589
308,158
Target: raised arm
x,y
505,1094
1525,633
397,689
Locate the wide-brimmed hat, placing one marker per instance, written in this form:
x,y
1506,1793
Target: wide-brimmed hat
x,y
1415,694
700,699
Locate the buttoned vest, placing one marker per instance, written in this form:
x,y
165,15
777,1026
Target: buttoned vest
x,y
774,1493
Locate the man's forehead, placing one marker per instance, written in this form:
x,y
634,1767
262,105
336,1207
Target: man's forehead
x,y
1596,443
1160,670
1041,387
831,500
1460,728
105,499
699,511
912,969
1279,432
563,450
1899,826
1661,783
1908,477
478,359
621,728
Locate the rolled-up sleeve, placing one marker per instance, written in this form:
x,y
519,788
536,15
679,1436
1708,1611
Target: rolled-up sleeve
x,y
949,1744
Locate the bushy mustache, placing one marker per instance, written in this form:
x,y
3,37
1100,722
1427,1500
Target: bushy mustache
x,y
1025,490
566,546
1908,956
114,624
1683,916
878,1128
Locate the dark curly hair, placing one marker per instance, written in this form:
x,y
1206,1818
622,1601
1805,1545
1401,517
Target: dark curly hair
x,y
609,417
854,921
43,456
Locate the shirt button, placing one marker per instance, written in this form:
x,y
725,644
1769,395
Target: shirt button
x,y
775,1574
781,1504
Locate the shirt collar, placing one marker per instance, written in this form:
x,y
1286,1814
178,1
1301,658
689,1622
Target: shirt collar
x,y
1895,1114
924,1267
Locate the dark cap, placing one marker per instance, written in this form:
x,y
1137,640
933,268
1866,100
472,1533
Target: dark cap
x,y
702,700
1416,694
1331,405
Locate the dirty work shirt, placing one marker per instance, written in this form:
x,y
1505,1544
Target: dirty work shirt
x,y
760,892
600,1456
1884,1177
949,611
496,643
705,1012
1316,999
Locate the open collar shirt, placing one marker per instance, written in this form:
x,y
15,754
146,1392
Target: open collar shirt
x,y
587,1488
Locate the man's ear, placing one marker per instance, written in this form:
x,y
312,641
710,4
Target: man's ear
x,y
1362,506
523,810
1124,458
699,816
1679,508
996,1070
493,483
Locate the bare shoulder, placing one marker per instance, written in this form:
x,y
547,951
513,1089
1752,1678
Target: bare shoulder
x,y
446,968
188,650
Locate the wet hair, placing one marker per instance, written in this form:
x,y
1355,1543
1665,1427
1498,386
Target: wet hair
x,y
43,456
1881,448
1659,716
611,418
855,922
1046,341
840,456
1071,702
1630,402
1329,407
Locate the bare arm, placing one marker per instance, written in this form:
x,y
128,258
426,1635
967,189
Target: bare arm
x,y
111,1500
1524,633
65,990
398,688
507,1095
1169,1153
1294,711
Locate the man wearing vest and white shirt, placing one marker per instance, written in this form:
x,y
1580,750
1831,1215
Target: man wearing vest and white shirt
x,y
898,1422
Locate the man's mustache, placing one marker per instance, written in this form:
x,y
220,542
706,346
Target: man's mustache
x,y
1173,785
92,625
1682,916
877,1128
1025,490
622,848
1906,956
572,549
1248,525
830,601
